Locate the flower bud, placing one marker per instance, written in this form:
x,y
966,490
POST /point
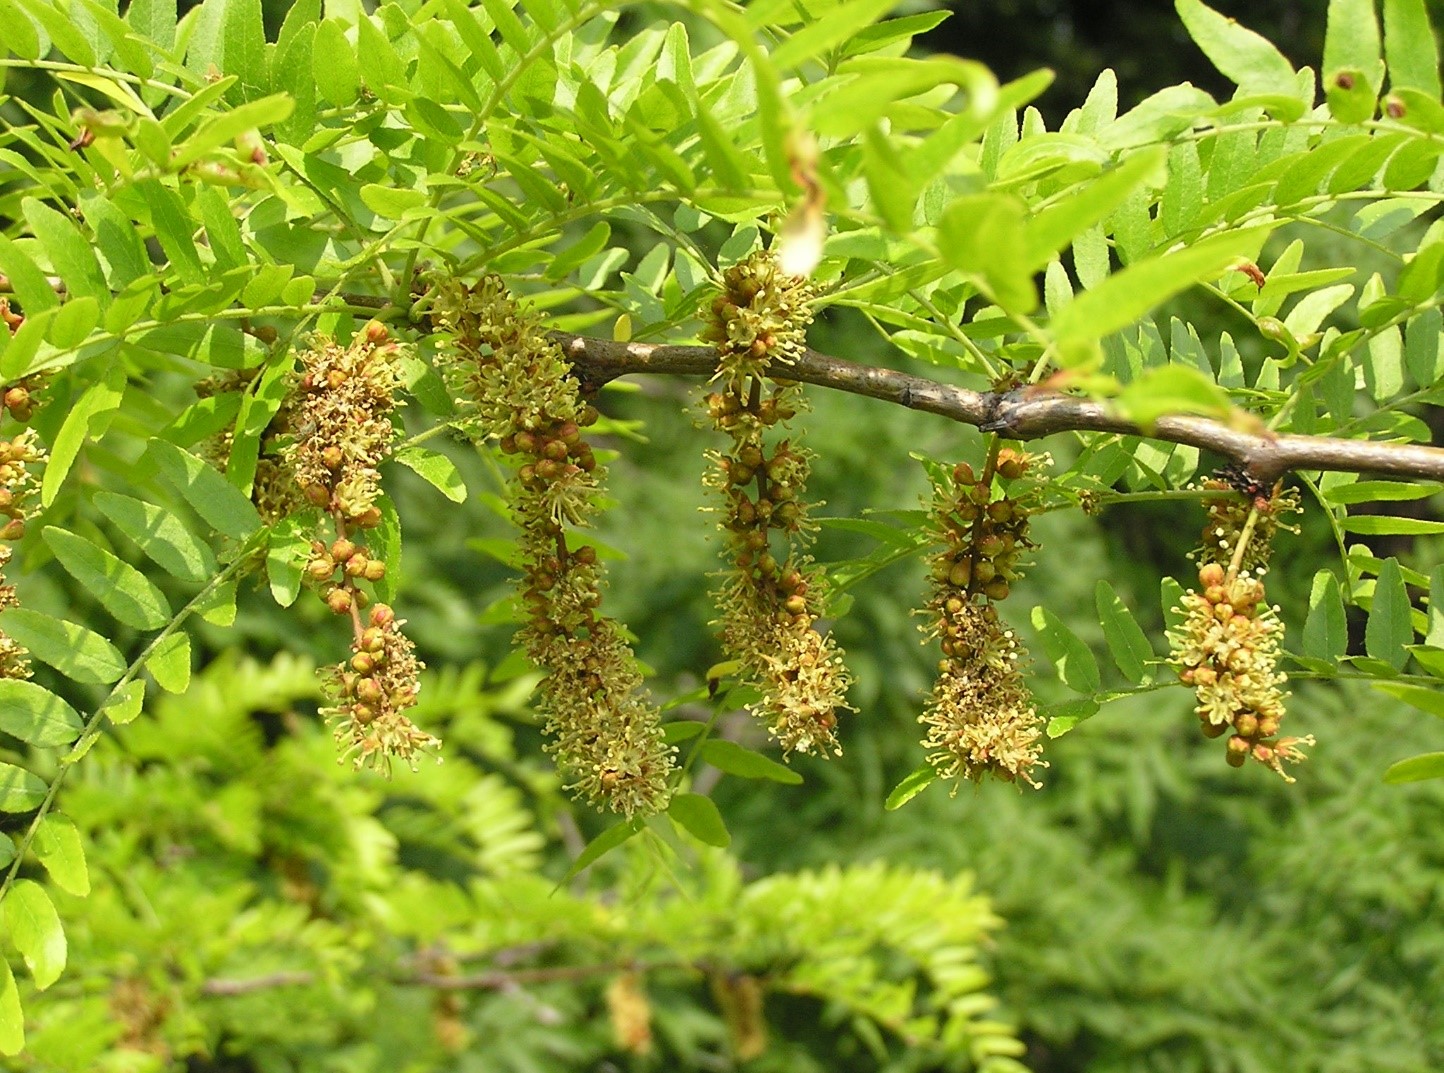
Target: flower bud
x,y
339,601
997,589
1211,574
960,574
1238,750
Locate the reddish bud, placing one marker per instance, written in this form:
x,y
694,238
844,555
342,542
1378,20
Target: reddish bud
x,y
1238,750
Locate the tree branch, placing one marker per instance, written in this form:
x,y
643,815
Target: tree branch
x,y
1024,414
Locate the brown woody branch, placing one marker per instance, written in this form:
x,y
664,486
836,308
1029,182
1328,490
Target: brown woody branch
x,y
495,980
1023,414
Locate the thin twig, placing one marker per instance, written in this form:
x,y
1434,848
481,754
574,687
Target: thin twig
x,y
222,987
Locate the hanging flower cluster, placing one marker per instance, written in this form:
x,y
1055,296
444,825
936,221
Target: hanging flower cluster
x,y
18,484
771,596
338,430
340,424
1227,646
980,717
515,386
373,691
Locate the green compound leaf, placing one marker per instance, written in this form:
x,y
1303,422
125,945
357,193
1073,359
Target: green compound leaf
x,y
1126,640
216,500
732,758
72,650
1171,389
89,416
58,847
435,469
20,791
604,843
1243,57
121,589
170,663
1052,229
125,703
1326,631
12,1017
1421,697
71,254
1416,768
35,929
161,536
1065,715
1389,629
36,715
914,784
837,27
1351,43
1410,48
1072,659
1377,491
1124,297
699,816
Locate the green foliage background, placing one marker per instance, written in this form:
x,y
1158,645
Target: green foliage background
x,y
252,906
